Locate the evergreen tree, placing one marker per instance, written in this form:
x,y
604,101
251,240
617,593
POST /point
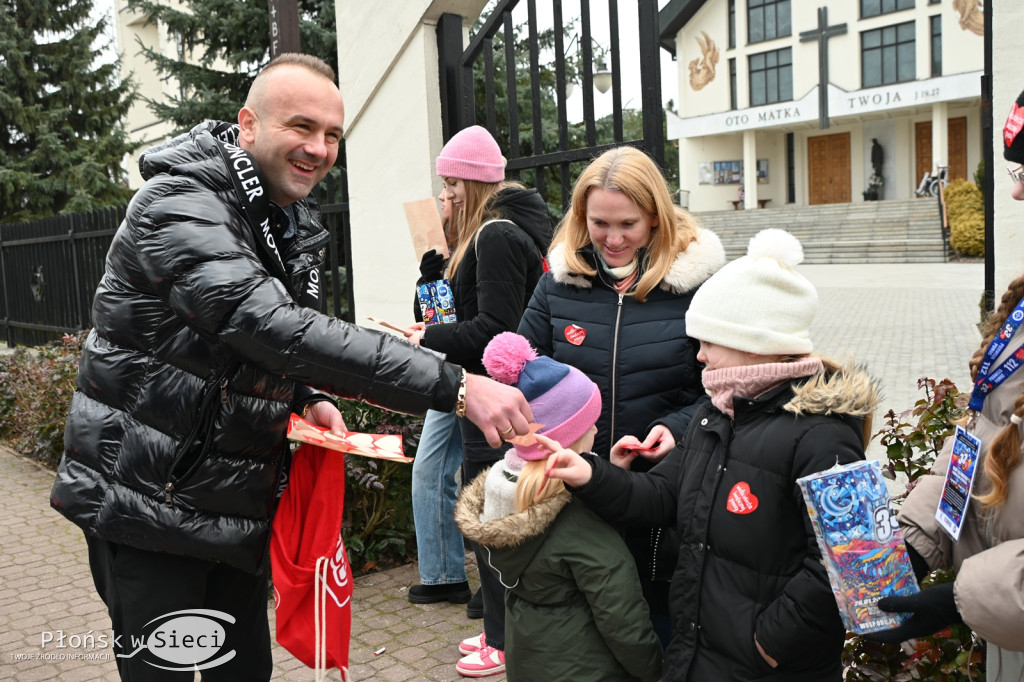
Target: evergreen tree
x,y
224,44
632,119
61,112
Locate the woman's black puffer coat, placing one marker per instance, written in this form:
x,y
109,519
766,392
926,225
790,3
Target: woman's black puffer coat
x,y
175,440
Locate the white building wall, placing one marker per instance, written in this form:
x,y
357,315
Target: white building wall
x,y
143,127
388,74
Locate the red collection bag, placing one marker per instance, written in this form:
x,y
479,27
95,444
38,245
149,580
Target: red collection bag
x,y
312,579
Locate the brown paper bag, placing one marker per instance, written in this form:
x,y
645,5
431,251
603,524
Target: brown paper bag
x,y
425,227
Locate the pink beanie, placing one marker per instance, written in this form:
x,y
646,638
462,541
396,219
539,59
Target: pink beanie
x,y
472,154
562,398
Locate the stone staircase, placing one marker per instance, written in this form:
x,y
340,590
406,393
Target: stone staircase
x,y
903,231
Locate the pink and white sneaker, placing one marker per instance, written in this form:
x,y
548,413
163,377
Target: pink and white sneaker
x,y
473,644
483,663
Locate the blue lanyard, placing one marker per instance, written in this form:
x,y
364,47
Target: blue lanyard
x,y
987,380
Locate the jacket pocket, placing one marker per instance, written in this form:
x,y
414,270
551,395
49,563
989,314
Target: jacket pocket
x,y
195,447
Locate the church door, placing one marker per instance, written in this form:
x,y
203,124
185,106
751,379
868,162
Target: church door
x,y
828,169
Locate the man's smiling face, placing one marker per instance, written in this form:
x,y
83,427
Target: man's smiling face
x,y
293,127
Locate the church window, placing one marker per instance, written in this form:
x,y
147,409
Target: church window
x,y
767,20
872,8
771,77
888,55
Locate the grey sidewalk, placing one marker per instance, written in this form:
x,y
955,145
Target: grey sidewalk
x,y
903,321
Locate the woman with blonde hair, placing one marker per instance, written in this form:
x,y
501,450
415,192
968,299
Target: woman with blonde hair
x,y
624,265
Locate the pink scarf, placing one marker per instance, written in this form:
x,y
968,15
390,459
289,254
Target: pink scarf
x,y
751,381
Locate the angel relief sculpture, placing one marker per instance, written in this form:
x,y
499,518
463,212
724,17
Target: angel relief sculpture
x,y
972,15
702,69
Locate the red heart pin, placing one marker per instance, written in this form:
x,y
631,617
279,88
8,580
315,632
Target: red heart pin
x,y
575,334
741,500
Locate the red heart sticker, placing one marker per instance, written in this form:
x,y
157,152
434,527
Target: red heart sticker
x,y
741,500
1014,123
575,334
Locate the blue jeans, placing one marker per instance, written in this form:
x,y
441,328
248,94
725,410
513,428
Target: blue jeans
x,y
442,555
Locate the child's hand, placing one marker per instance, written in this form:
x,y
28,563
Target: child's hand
x,y
565,464
625,451
659,442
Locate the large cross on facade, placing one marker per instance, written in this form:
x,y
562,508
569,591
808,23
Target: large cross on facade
x,y
822,33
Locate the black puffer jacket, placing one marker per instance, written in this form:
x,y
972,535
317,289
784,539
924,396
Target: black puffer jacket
x,y
754,570
175,440
496,278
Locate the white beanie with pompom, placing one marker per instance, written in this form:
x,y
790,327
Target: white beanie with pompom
x,y
757,303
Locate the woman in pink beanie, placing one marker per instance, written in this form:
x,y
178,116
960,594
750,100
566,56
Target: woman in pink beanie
x,y
500,233
574,607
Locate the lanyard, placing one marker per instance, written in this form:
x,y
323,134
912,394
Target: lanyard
x,y
988,379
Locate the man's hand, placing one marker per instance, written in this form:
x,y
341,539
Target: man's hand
x,y
565,464
325,413
495,408
931,610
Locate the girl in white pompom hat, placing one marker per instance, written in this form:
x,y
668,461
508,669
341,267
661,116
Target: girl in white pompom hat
x,y
750,598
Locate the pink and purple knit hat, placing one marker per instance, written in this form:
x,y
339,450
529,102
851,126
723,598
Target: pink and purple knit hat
x,y
472,154
562,398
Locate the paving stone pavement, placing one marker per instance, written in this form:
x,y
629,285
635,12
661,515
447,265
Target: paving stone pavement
x,y
902,321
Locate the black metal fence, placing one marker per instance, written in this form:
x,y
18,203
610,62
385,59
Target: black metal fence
x,y
49,268
518,123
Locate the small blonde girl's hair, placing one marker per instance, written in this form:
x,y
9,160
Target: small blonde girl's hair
x,y
531,489
1004,451
630,171
475,211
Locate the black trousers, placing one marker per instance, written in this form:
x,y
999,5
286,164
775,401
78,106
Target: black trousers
x,y
141,588
478,457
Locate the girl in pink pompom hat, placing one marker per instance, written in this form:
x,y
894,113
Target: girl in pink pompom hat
x,y
574,606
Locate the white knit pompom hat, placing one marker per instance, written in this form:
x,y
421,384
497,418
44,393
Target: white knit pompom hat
x,y
757,303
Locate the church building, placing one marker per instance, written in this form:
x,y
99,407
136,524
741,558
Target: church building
x,y
823,101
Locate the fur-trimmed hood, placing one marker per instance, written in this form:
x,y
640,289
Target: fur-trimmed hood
x,y
847,390
508,531
701,259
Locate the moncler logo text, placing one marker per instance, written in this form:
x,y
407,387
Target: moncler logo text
x,y
243,167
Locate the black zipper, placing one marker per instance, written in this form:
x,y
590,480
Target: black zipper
x,y
218,385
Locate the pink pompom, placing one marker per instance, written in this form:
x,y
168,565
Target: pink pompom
x,y
506,355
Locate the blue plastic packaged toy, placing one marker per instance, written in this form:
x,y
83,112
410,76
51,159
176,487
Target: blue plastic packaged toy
x,y
860,543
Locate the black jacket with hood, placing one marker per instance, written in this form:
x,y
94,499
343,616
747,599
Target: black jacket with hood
x,y
759,571
495,279
175,440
